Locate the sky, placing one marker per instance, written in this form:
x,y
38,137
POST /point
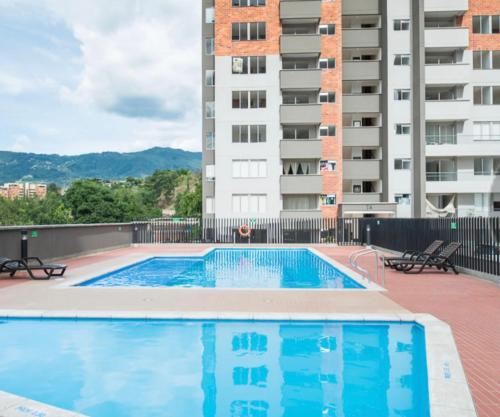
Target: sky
x,y
79,76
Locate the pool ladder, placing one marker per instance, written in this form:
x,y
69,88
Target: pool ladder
x,y
379,264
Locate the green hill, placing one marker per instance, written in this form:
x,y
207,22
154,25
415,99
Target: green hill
x,y
60,169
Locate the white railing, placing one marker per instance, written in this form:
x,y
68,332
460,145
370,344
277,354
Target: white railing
x,y
379,265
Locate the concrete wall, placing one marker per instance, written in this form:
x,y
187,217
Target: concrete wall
x,y
60,241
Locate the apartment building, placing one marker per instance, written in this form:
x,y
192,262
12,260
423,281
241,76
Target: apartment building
x,y
351,108
16,190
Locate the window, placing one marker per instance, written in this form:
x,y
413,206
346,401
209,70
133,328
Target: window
x,y
246,133
328,166
249,31
402,199
209,46
327,29
403,129
486,131
249,99
486,24
400,164
298,132
209,78
209,15
496,205
245,3
210,205
327,63
328,199
249,65
401,24
249,203
487,95
296,167
327,97
300,202
250,376
401,94
249,342
210,141
483,60
483,166
249,408
401,60
210,109
210,172
252,168
327,130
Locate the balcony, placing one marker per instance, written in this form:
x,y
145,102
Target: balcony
x,y
361,169
361,70
300,45
361,103
300,149
442,176
362,198
301,184
448,109
361,38
440,6
300,10
360,7
308,79
361,136
447,74
462,145
300,114
447,37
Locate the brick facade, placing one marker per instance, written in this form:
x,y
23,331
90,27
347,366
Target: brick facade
x,y
482,42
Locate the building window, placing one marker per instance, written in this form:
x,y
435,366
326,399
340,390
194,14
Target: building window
x,y
402,199
400,164
210,141
327,29
487,95
249,133
486,24
209,46
298,132
210,172
485,60
401,94
327,63
401,24
249,203
327,97
209,15
249,99
249,31
245,3
210,109
402,59
496,205
328,199
483,166
296,167
327,130
300,202
486,131
210,78
403,129
251,168
210,205
327,166
249,65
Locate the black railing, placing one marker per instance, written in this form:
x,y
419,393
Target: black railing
x,y
480,238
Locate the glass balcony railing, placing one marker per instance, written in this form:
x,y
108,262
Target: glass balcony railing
x,y
441,139
432,140
442,176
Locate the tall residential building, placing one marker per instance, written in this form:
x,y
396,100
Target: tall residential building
x,y
16,190
351,108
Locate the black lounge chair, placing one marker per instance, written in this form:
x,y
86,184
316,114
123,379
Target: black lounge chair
x,y
413,254
29,265
441,261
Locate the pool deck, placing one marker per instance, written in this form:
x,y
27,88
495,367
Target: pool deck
x,y
469,305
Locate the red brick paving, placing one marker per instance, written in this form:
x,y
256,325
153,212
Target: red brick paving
x,y
471,307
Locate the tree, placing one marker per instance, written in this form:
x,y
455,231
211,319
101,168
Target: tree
x,y
189,203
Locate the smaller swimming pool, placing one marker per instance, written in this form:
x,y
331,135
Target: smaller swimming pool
x,y
231,268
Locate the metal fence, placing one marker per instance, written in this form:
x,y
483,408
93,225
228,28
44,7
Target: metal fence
x,y
328,230
480,238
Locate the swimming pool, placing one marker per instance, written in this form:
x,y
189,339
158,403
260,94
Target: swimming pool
x,y
231,268
125,368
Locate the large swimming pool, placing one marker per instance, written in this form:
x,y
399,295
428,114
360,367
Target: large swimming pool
x,y
231,268
135,368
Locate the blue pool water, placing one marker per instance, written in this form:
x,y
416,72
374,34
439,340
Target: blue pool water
x,y
231,268
134,368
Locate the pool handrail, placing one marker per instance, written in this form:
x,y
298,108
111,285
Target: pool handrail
x,y
379,264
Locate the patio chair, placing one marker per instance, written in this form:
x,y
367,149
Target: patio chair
x,y
441,261
413,254
29,265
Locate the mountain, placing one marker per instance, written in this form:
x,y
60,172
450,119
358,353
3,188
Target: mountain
x,y
60,169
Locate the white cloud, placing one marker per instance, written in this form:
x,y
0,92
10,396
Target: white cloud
x,y
11,84
22,143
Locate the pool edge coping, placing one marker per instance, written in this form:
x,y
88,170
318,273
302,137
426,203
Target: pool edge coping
x,y
447,382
